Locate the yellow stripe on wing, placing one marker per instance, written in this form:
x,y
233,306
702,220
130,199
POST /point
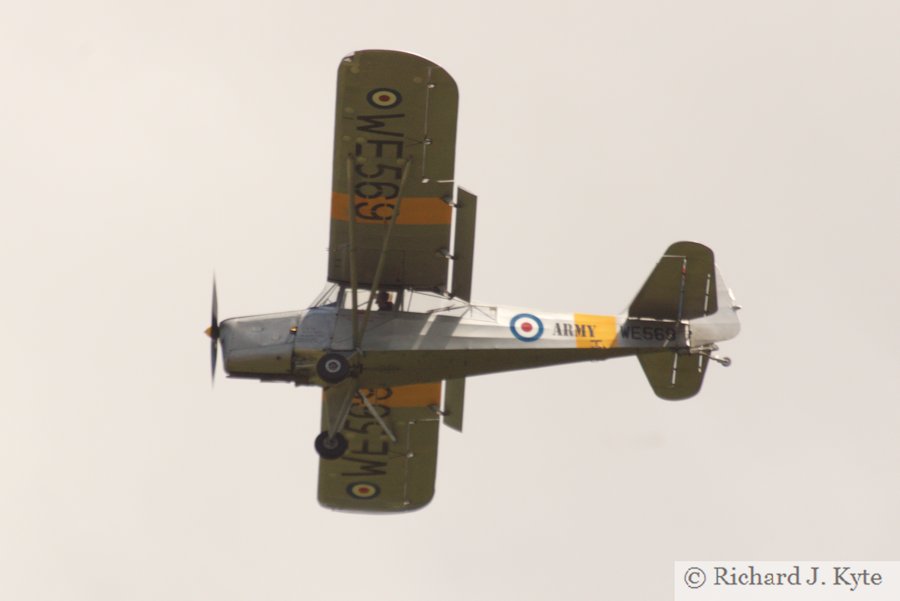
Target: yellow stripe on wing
x,y
415,210
411,395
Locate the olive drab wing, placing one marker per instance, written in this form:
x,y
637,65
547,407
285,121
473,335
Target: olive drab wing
x,y
377,474
394,145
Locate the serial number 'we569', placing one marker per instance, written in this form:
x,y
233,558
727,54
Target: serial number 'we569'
x,y
379,156
648,332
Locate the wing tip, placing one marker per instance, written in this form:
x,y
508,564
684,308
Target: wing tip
x,y
363,507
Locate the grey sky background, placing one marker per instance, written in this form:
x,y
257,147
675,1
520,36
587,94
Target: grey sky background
x,y
144,144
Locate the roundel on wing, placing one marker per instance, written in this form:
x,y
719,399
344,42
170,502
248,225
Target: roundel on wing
x,y
384,98
526,327
363,490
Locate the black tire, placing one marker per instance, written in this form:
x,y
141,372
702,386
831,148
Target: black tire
x,y
333,368
330,448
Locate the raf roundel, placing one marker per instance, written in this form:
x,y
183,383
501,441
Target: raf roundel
x,y
526,327
363,490
384,98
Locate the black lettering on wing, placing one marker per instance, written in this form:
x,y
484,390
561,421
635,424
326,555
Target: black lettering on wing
x,y
380,211
368,450
359,410
367,467
379,147
375,124
384,190
396,172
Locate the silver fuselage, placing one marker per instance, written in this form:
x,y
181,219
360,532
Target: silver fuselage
x,y
403,347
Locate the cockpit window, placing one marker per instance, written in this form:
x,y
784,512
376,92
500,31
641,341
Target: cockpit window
x,y
328,296
413,301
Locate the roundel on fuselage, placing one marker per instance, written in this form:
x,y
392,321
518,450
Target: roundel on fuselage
x,y
526,327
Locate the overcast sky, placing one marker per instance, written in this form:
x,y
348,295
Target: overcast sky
x,y
145,144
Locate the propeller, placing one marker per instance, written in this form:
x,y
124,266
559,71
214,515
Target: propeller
x,y
213,332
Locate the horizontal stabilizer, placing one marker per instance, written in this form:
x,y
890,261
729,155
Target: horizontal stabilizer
x,y
682,286
674,376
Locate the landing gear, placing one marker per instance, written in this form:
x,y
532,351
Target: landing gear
x,y
333,368
330,447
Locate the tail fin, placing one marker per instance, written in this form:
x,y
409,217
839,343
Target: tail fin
x,y
681,286
685,286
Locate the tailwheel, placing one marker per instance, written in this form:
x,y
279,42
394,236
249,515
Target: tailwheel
x,y
330,447
333,368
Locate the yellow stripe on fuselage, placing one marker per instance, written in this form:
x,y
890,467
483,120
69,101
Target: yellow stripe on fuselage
x,y
595,331
414,210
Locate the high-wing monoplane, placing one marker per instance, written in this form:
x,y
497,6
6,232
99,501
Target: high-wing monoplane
x,y
395,334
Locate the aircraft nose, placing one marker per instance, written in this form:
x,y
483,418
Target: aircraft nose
x,y
223,332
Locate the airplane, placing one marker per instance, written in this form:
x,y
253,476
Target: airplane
x,y
394,335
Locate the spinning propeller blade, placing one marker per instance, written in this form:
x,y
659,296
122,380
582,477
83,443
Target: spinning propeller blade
x,y
213,332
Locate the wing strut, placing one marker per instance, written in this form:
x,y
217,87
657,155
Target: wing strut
x,y
359,331
354,284
339,409
377,417
376,281
339,400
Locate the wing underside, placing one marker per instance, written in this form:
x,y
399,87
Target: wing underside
x,y
394,145
376,474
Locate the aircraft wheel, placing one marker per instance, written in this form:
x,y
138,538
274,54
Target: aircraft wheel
x,y
333,368
330,448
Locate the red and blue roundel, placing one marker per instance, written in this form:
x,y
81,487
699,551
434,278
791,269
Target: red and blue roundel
x,y
526,327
